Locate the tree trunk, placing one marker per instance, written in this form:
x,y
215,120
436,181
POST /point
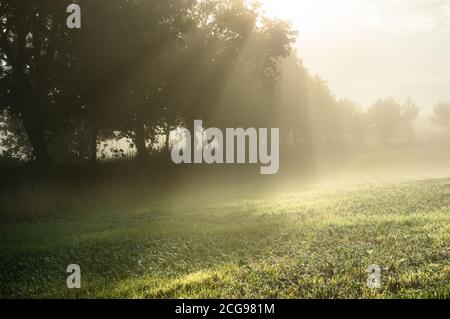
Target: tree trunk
x,y
139,140
36,135
27,103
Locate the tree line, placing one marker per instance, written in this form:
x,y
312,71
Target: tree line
x,y
139,69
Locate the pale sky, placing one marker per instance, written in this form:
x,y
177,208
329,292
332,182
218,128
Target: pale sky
x,y
367,49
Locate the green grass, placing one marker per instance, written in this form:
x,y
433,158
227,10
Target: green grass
x,y
308,244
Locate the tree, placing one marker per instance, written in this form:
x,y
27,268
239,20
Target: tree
x,y
385,117
226,61
322,108
350,123
410,111
13,140
33,62
441,115
120,54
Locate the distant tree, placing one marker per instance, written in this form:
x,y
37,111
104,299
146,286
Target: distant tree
x,y
385,116
322,109
350,123
291,107
441,115
410,112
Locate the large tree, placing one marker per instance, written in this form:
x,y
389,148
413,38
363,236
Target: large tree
x,y
121,54
33,57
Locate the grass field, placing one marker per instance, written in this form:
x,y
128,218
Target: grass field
x,y
315,243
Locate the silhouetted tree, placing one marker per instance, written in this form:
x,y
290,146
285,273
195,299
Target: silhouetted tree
x,y
33,38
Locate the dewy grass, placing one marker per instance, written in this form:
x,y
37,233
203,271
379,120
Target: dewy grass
x,y
315,244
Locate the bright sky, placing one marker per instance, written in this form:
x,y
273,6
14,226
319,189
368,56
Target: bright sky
x,y
367,49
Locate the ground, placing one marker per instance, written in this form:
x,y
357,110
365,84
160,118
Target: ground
x,y
312,243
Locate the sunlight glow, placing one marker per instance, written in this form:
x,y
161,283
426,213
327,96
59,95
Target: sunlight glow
x,y
317,14
346,42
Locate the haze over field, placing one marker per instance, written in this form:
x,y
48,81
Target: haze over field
x,y
355,44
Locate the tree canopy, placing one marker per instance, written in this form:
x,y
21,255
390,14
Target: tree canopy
x,y
138,69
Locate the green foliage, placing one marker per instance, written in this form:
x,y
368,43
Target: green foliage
x,y
14,145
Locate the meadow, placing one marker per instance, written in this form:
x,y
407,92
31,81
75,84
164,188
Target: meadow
x,y
315,242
